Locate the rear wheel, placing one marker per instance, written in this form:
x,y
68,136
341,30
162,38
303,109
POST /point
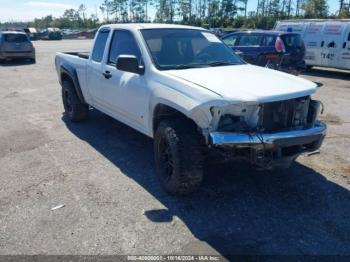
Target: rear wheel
x,y
178,156
74,108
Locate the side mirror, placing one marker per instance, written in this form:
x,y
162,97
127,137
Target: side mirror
x,y
129,63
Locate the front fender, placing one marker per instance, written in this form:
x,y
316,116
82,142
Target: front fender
x,y
197,111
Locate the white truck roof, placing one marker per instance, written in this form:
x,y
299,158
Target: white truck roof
x,y
150,26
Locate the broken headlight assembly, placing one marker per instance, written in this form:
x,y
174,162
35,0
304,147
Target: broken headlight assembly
x,y
292,114
235,118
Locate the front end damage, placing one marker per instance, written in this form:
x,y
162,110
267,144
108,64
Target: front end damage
x,y
267,135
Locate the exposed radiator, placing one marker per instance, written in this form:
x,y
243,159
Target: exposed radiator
x,y
284,115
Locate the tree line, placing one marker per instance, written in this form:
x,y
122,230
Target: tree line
x,y
220,13
207,13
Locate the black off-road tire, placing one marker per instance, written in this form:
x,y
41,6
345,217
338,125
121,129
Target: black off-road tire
x,y
74,108
178,155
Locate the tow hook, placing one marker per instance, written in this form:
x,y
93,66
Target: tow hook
x,y
260,158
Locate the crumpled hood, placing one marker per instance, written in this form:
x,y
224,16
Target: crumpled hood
x,y
247,82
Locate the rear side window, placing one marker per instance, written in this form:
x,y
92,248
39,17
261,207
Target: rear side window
x,y
15,38
291,40
249,40
268,40
123,43
230,40
100,44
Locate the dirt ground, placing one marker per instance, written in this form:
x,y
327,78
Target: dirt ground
x,y
102,171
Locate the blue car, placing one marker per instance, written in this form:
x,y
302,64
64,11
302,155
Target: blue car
x,y
277,50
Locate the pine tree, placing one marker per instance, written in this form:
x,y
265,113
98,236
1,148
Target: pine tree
x,y
315,9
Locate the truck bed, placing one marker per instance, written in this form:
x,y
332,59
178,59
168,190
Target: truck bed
x,y
84,55
77,61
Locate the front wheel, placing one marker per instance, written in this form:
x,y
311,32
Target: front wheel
x,y
178,156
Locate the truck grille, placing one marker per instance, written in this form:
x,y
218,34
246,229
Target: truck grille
x,y
284,115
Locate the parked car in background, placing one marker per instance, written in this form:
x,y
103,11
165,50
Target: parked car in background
x,y
32,33
89,34
15,44
277,50
51,34
70,33
67,34
327,41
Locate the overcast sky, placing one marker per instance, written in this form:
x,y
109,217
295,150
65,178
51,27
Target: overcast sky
x,y
26,10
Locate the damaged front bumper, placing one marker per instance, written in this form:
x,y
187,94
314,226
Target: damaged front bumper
x,y
293,137
269,150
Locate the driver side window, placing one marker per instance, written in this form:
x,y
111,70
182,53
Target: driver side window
x,y
123,43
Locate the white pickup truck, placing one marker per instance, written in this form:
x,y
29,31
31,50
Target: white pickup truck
x,y
186,89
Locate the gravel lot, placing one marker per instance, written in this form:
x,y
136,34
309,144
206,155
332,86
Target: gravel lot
x,y
102,171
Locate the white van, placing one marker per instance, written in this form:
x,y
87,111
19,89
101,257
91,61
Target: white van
x,y
327,41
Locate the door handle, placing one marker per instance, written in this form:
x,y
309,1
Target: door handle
x,y
107,74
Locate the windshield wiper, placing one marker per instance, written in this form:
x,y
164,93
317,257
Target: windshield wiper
x,y
221,63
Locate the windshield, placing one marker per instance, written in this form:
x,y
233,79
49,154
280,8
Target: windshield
x,y
187,48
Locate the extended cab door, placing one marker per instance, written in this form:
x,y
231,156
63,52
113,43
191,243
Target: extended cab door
x,y
344,58
95,74
126,95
